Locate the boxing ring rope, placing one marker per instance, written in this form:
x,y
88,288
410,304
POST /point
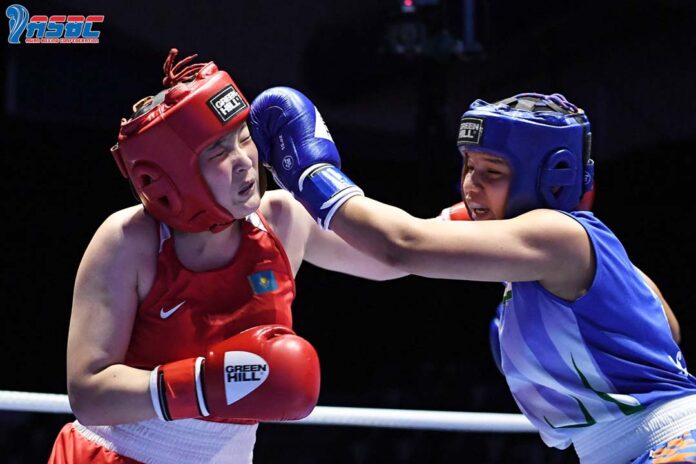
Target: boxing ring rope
x,y
326,415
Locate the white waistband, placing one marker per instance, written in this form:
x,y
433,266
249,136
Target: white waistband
x,y
621,440
182,441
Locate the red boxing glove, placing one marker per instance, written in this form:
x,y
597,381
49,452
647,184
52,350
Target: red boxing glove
x,y
456,212
459,212
264,373
587,200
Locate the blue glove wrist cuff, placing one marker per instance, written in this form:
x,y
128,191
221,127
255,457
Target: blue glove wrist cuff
x,y
322,189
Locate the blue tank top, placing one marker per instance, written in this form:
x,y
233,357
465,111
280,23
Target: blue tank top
x,y
604,356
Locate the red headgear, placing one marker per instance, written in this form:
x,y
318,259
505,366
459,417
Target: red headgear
x,y
158,147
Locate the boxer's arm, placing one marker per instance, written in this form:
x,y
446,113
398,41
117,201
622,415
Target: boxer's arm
x,y
304,239
329,251
671,318
540,245
101,389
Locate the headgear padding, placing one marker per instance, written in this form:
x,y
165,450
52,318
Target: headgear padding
x,y
546,141
158,147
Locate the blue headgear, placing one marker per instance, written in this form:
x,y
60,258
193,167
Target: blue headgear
x,y
546,141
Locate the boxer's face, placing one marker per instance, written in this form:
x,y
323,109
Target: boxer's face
x,y
485,185
230,167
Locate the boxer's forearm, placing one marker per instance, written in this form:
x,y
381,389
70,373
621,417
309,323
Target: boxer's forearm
x,y
115,395
376,229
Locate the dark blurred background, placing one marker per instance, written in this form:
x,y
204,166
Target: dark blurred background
x,y
391,79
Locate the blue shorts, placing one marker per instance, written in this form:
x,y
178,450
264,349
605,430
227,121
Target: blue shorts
x,y
677,450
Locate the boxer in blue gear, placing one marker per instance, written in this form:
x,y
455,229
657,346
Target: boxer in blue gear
x,y
588,344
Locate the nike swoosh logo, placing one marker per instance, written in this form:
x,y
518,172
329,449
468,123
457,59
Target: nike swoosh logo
x,y
165,314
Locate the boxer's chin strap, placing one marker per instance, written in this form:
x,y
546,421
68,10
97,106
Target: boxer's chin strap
x,y
173,74
588,176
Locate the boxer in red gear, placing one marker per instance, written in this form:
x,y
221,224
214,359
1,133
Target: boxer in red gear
x,y
181,337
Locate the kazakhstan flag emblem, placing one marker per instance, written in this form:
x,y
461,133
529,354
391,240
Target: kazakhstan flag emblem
x,y
263,282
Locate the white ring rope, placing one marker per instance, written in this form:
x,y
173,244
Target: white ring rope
x,y
325,415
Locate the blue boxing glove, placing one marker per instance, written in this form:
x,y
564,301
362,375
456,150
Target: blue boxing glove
x,y
494,338
295,145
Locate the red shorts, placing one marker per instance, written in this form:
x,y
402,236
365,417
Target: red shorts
x,y
72,448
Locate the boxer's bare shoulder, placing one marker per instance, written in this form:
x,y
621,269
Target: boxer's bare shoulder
x,y
282,211
289,221
126,243
131,228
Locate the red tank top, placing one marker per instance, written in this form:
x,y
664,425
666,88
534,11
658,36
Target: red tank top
x,y
186,311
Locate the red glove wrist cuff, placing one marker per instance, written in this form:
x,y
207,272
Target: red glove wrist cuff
x,y
176,390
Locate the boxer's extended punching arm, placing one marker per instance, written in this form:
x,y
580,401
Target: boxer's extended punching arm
x,y
534,246
293,141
